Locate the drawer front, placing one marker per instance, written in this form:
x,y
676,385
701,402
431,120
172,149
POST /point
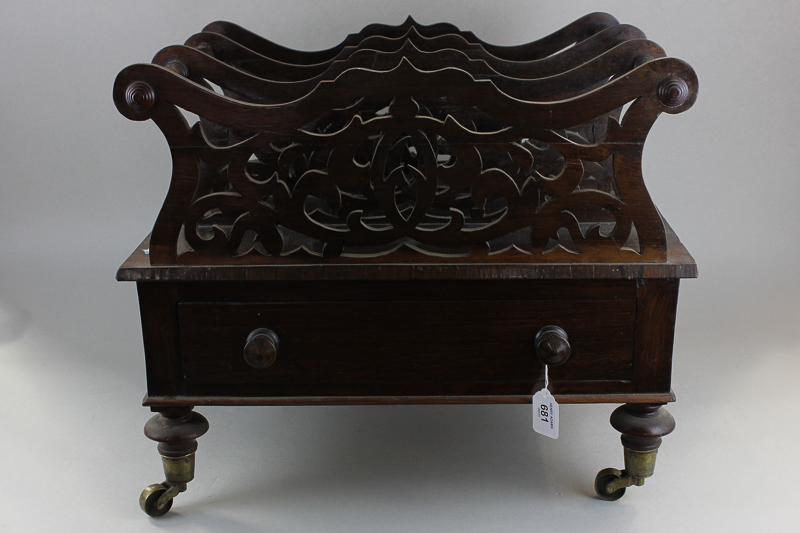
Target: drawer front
x,y
397,347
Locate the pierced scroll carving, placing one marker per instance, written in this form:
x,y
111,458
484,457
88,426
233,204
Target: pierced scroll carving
x,y
377,177
411,159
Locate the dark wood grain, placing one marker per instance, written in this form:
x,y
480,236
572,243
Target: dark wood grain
x,y
176,429
574,32
395,219
578,398
656,307
157,305
420,291
642,425
409,146
417,267
402,342
528,85
408,308
231,52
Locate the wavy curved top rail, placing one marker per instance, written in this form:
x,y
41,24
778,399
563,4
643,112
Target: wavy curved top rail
x,y
237,55
574,32
409,155
238,84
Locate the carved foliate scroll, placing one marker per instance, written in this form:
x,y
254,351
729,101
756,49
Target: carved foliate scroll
x,y
408,151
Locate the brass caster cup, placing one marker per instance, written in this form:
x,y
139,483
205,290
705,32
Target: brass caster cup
x,y
639,464
179,470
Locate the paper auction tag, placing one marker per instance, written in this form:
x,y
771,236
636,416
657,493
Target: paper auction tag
x,y
545,414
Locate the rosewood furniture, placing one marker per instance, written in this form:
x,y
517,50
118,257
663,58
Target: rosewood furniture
x,y
412,216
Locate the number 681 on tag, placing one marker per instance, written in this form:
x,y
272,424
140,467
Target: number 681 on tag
x,y
545,414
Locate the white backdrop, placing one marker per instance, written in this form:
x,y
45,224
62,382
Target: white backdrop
x,y
81,186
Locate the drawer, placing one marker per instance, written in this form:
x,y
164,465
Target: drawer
x,y
388,347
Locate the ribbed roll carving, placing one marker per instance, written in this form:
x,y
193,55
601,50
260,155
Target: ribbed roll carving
x,y
140,96
673,92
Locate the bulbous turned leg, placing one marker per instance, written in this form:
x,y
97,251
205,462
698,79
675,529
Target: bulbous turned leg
x,y
642,426
176,430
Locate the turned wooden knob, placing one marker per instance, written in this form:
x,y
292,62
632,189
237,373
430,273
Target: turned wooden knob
x,y
552,345
261,348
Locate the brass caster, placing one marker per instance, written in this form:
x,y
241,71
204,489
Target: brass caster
x,y
156,500
610,484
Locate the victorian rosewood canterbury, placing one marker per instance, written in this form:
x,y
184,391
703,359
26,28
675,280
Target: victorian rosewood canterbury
x,y
412,216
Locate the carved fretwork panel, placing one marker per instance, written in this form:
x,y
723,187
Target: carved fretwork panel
x,y
401,162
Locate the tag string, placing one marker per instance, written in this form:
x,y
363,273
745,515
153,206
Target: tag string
x,y
546,381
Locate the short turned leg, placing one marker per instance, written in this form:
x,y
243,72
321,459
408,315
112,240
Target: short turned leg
x,y
176,430
642,426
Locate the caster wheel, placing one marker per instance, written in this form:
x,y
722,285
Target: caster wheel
x,y
148,501
603,479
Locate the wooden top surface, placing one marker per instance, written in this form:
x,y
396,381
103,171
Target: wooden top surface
x,y
679,264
